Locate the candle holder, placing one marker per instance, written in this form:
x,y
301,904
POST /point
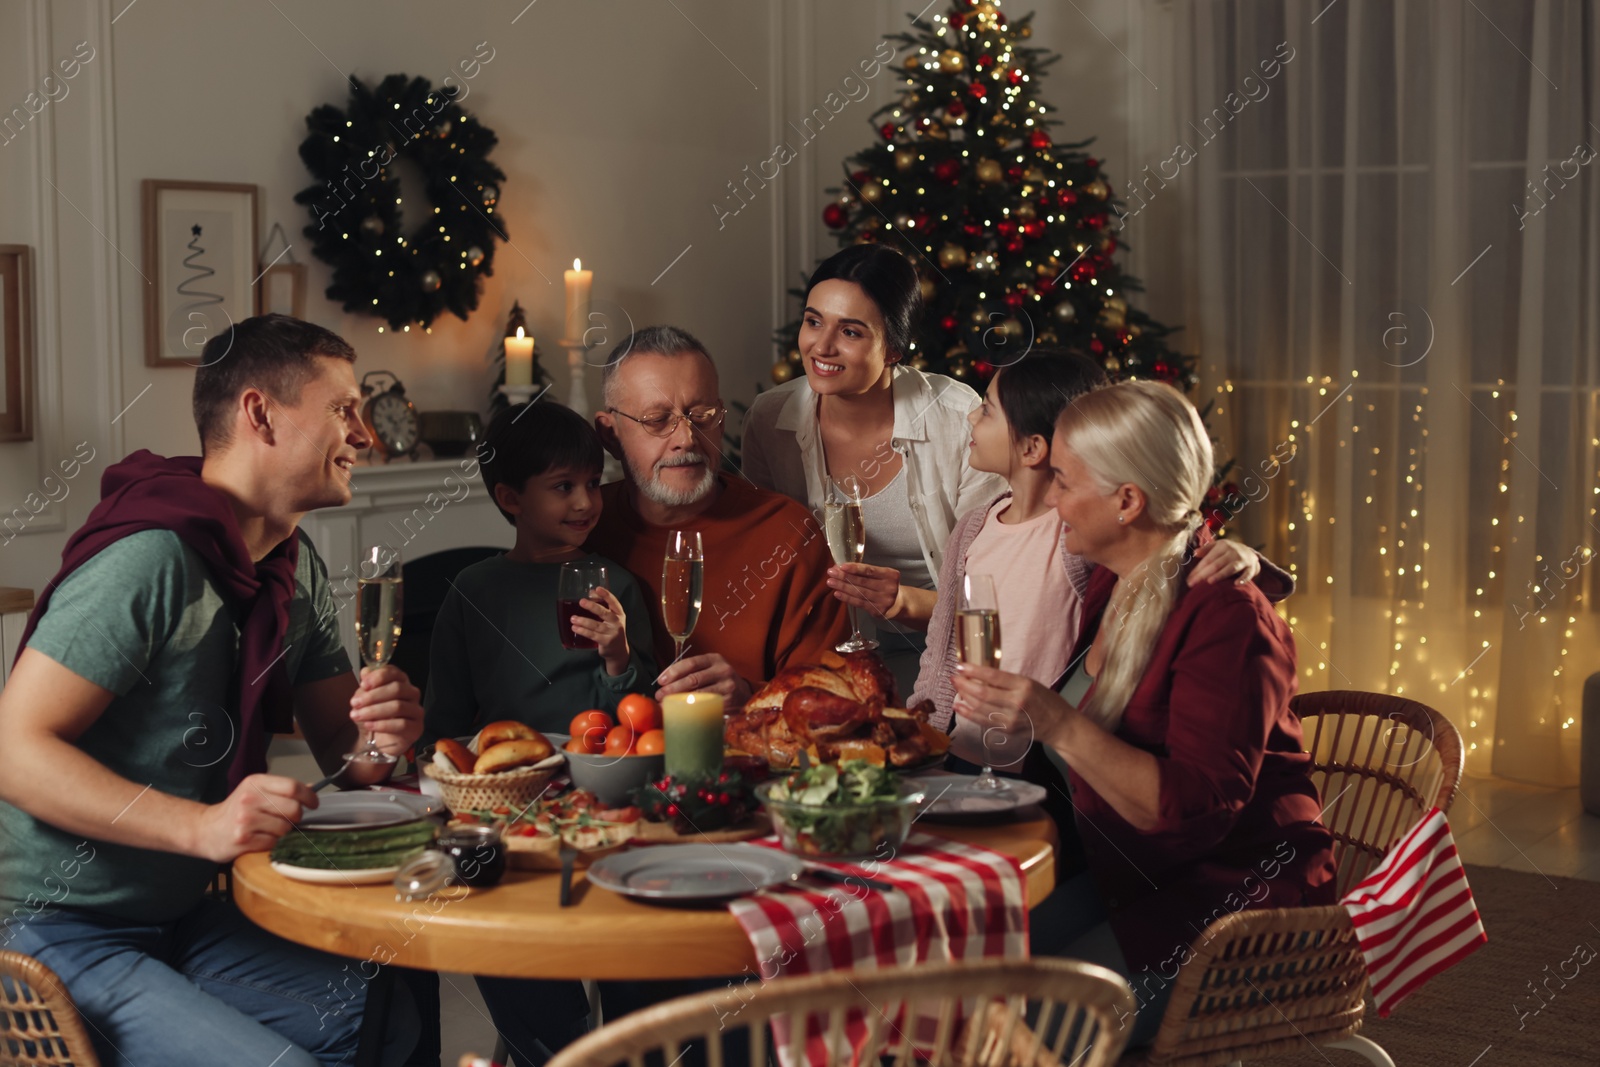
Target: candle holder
x,y
578,392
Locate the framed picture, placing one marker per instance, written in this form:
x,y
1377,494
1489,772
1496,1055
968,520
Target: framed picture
x,y
16,343
200,259
282,289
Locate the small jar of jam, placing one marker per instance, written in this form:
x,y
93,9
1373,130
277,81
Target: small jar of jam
x,y
479,855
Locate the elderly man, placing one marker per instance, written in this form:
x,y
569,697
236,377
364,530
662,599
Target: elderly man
x,y
189,618
766,602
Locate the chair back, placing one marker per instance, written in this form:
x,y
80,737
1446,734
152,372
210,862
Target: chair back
x,y
1381,763
39,1024
1264,982
1027,1013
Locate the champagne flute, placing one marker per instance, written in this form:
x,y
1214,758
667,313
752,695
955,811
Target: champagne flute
x,y
573,584
682,579
847,541
978,636
379,607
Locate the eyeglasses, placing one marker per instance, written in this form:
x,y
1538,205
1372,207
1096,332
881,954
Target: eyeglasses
x,y
665,424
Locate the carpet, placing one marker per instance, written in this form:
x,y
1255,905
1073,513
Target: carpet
x,y
1484,1012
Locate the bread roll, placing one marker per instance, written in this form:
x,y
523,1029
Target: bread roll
x,y
522,752
504,730
454,754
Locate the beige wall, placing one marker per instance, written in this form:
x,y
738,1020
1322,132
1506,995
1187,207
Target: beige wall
x,y
620,124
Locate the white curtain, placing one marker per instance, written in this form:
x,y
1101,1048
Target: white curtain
x,y
1382,220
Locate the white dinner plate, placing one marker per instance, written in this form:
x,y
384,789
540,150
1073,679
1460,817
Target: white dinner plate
x,y
367,810
954,794
694,872
319,876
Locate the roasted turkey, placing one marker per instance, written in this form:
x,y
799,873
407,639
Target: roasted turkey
x,y
839,709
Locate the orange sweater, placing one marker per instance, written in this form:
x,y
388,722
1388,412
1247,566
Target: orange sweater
x,y
766,603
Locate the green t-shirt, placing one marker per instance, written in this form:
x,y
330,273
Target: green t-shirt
x,y
497,653
144,619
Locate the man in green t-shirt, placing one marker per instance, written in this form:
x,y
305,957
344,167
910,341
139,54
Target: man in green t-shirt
x,y
190,612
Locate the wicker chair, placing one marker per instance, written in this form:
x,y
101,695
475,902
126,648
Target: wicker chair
x,y
1262,983
38,1023
1079,1003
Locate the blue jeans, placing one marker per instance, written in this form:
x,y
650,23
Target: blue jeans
x,y
210,988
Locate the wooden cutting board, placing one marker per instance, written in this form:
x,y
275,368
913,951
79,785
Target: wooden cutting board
x,y
543,853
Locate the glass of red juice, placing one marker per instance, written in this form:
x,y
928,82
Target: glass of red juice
x,y
576,579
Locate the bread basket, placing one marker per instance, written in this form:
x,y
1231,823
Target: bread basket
x,y
514,789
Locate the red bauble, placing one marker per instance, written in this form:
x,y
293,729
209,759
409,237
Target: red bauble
x,y
859,177
1096,347
1108,246
1092,163
1014,244
1006,227
1014,172
1067,197
1162,369
1124,338
972,229
888,129
1082,271
984,368
921,222
1039,139
984,62
1044,285
1096,221
1014,300
947,170
955,109
1033,229
977,90
1014,76
949,324
835,216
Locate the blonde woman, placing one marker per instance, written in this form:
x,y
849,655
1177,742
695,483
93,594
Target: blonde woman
x,y
1186,784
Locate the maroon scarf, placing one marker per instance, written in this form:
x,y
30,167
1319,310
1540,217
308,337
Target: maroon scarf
x,y
150,492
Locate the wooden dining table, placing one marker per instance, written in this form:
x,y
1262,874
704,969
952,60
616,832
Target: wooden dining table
x,y
517,929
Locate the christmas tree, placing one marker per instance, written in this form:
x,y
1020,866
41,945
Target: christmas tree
x,y
1012,234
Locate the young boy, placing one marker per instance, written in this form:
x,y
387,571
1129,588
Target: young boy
x,y
497,651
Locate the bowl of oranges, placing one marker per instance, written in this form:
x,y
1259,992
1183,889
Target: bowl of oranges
x,y
613,758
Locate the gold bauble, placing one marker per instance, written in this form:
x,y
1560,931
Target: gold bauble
x,y
913,62
1097,189
871,190
1116,304
952,61
979,317
784,371
959,369
1111,317
1024,32
937,132
928,288
984,10
1012,328
1034,175
952,255
1026,210
1134,331
1112,364
1048,337
987,263
989,171
1064,312
904,161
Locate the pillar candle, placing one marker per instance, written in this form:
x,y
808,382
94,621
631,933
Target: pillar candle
x,y
578,284
519,359
693,726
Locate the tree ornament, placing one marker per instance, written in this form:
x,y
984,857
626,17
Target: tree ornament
x,y
977,90
928,289
1097,189
782,371
871,191
988,171
1033,229
1014,299
1024,32
952,255
986,263
1039,139
835,216
913,62
1064,312
1026,210
984,62
1014,245
972,229
917,362
904,161
949,324
902,221
888,129
952,62
955,109
351,152
960,370
1014,172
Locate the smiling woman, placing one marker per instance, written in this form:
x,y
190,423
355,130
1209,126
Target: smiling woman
x,y
860,413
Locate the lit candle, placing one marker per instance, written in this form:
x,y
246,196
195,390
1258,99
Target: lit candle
x,y
693,726
578,283
519,359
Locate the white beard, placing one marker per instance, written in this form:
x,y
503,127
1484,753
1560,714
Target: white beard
x,y
658,493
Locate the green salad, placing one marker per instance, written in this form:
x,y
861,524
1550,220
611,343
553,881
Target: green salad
x,y
848,810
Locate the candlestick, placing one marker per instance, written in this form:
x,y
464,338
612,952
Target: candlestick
x,y
694,728
579,282
519,359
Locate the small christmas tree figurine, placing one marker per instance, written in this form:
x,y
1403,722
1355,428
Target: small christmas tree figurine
x,y
1012,234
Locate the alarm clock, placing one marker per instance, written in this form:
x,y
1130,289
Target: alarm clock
x,y
390,418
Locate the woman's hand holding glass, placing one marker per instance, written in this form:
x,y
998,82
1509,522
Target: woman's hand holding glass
x,y
861,585
1005,714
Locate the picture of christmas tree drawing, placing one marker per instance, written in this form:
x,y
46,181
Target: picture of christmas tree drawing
x,y
196,317
1013,235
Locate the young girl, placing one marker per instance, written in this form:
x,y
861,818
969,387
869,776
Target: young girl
x,y
1017,539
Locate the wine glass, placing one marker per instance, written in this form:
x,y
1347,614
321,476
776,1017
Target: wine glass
x,y
978,635
379,607
847,540
573,584
682,579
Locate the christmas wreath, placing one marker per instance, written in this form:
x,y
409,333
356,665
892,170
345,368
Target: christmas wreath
x,y
356,208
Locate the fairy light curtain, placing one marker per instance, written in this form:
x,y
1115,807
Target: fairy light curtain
x,y
1387,253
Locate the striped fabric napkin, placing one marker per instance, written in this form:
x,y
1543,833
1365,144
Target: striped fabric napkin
x,y
1414,915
